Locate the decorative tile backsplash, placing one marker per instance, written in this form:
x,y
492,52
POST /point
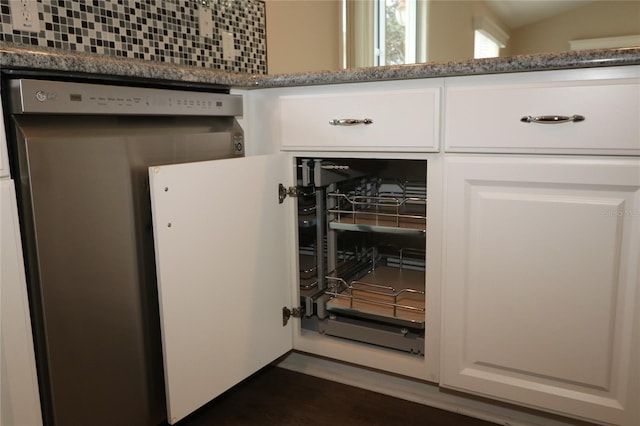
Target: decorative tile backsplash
x,y
156,30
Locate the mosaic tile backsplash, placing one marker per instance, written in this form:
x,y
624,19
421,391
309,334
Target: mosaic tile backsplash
x,y
155,30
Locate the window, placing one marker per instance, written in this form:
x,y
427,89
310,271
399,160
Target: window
x,y
484,47
488,38
395,32
384,32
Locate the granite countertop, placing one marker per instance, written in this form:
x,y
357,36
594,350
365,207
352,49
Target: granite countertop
x,y
30,57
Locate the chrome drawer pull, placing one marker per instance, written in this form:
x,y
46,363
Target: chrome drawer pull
x,y
350,122
552,119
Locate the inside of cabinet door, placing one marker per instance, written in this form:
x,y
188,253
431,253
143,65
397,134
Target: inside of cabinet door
x,y
222,265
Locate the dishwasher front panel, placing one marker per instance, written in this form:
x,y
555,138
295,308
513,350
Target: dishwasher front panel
x,y
223,266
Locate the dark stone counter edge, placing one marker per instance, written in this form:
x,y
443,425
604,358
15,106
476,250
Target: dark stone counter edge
x,y
34,58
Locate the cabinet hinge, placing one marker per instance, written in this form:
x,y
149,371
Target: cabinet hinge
x,y
288,313
283,191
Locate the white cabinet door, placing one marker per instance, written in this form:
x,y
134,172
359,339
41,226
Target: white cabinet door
x,y
18,385
541,283
223,273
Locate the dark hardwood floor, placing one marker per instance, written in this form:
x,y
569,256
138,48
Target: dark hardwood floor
x,y
279,397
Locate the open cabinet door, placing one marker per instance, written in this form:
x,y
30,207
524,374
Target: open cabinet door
x,y
223,273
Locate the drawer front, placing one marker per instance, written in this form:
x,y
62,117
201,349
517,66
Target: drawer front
x,y
402,120
488,118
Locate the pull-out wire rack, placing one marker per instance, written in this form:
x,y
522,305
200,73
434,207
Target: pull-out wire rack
x,y
349,263
380,206
392,290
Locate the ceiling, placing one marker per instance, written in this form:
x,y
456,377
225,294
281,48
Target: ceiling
x,y
517,13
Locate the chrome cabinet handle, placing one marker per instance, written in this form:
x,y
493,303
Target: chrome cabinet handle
x,y
552,119
350,122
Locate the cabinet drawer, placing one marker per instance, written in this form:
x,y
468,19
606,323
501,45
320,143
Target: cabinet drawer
x,y
487,117
402,120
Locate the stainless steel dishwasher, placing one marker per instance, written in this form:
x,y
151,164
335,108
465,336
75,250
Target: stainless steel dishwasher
x,y
80,154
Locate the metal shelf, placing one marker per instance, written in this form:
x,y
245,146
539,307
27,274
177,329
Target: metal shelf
x,y
392,293
396,207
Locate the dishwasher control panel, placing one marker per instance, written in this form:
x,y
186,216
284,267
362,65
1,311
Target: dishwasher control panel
x,y
58,97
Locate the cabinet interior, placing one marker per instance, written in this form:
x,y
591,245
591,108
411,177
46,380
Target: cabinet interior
x,y
362,239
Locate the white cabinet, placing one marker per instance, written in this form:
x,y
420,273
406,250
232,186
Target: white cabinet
x,y
390,116
19,387
228,265
601,108
536,256
541,283
541,252
227,251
